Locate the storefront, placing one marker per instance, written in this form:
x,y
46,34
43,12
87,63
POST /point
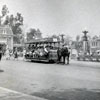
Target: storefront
x,y
95,44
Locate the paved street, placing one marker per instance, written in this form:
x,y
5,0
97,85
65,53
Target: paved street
x,y
7,94
78,81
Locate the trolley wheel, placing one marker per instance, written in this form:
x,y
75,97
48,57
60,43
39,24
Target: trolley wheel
x,y
78,58
51,61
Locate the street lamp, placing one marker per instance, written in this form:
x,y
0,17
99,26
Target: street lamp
x,y
85,35
85,41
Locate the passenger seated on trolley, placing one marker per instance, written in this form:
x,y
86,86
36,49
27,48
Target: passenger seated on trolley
x,y
41,51
46,52
36,53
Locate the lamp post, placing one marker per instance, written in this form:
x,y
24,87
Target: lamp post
x,y
85,35
85,41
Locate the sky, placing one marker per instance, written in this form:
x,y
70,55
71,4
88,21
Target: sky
x,y
69,17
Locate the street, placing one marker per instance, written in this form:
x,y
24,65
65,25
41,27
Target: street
x,y
77,81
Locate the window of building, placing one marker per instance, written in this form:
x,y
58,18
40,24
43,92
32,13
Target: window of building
x,y
92,43
96,43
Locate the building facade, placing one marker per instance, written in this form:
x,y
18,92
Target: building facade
x,y
95,44
6,36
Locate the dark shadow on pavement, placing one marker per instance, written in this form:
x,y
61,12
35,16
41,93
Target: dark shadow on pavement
x,y
42,62
1,70
70,94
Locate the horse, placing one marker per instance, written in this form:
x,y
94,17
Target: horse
x,y
65,53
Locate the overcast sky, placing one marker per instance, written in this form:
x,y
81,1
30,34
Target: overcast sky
x,y
69,17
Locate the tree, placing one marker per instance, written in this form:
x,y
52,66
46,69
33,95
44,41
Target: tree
x,y
11,20
17,35
4,18
5,10
18,19
16,23
33,34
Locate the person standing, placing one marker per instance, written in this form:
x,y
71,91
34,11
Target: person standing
x,y
24,52
15,54
59,55
7,54
65,53
46,52
68,55
10,53
0,53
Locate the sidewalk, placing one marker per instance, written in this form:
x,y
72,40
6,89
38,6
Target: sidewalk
x,y
6,94
12,58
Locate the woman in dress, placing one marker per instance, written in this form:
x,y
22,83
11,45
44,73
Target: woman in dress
x,y
7,54
15,54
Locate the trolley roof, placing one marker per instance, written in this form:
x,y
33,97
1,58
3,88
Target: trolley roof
x,y
43,40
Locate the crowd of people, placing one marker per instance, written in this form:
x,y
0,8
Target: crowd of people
x,y
9,53
39,51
